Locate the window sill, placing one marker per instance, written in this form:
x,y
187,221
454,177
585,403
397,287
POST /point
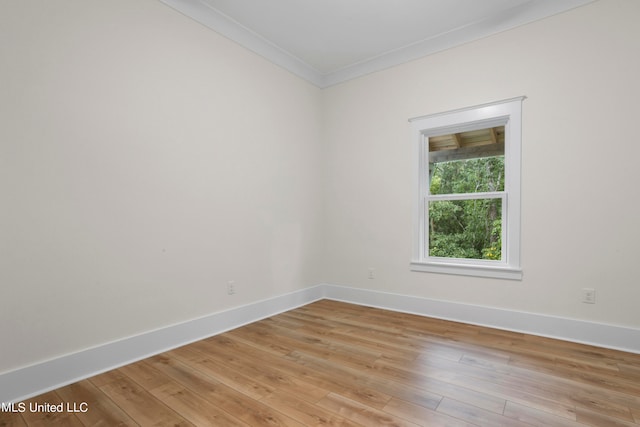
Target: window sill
x,y
496,272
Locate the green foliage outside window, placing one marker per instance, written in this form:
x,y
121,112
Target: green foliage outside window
x,y
466,228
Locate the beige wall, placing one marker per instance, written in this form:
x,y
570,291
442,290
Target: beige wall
x,y
145,162
580,72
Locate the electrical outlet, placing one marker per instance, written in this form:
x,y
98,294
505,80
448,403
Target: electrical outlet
x,y
231,287
371,273
588,295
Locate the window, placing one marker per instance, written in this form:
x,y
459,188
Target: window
x,y
467,195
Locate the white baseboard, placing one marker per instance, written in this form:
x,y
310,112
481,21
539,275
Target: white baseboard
x,y
574,330
33,380
36,379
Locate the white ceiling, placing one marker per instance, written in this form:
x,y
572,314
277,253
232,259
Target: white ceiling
x,y
331,41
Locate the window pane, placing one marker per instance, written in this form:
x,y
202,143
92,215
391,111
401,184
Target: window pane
x,y
467,176
467,162
466,229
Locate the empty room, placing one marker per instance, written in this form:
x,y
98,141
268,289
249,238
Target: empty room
x,y
411,213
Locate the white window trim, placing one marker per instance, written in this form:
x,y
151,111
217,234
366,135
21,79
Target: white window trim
x,y
508,113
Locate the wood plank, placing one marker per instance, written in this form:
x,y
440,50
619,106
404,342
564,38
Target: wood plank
x,y
361,414
422,416
476,415
457,140
366,386
517,393
306,413
141,405
107,377
348,382
194,408
101,411
590,418
235,380
536,417
428,381
243,358
145,375
228,399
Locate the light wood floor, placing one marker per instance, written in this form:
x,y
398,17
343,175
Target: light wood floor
x,y
331,363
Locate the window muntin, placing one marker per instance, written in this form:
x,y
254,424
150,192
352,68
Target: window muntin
x,y
453,151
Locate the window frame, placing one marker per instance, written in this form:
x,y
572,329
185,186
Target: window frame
x,y
507,113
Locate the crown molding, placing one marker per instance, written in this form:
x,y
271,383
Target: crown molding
x,y
227,27
508,19
522,14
